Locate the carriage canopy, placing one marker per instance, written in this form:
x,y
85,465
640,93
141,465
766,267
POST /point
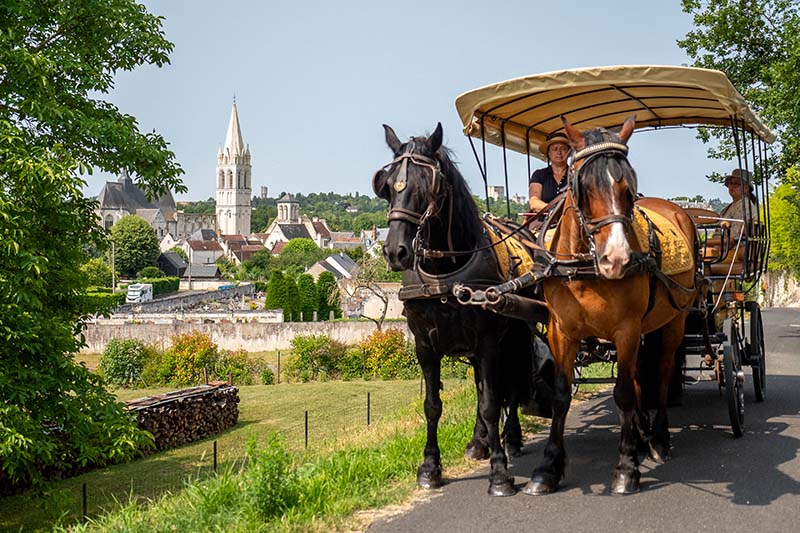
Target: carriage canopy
x,y
520,113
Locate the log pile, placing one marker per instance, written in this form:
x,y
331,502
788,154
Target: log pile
x,y
179,417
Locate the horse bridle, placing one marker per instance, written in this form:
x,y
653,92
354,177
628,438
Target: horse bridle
x,y
593,225
400,184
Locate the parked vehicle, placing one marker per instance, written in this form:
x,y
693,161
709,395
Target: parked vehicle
x,y
139,292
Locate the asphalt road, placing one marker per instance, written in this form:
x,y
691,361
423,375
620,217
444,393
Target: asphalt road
x,y
714,482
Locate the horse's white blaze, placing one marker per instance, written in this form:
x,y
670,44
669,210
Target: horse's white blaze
x,y
617,250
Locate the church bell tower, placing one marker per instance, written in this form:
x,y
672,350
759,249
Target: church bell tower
x,y
234,181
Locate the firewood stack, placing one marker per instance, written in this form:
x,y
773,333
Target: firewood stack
x,y
179,417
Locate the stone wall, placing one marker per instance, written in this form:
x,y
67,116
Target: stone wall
x,y
780,289
250,336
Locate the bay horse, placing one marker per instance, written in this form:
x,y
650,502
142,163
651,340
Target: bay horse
x,y
620,306
430,205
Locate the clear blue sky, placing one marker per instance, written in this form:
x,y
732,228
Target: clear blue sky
x,y
314,81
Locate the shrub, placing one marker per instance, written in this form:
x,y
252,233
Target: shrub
x,y
162,285
238,364
123,360
152,273
354,364
188,356
267,375
389,355
453,367
315,355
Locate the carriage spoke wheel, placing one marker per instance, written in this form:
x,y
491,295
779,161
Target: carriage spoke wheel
x,y
734,381
757,354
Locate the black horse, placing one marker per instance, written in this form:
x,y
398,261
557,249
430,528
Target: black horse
x,y
431,208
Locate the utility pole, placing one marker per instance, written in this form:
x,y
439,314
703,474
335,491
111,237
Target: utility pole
x,y
113,272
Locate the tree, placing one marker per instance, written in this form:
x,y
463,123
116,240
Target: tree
x,y
327,296
135,245
292,308
757,44
257,267
308,296
785,220
367,281
97,273
57,59
299,254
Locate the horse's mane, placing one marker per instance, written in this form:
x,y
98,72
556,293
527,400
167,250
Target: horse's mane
x,y
591,177
465,213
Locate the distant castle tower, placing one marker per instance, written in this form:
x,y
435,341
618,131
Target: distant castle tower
x,y
233,181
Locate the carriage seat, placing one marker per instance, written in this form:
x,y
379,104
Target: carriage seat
x,y
708,221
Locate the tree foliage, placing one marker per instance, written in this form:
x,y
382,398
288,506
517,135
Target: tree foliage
x,y
308,296
57,59
135,245
299,254
757,44
97,273
785,221
328,296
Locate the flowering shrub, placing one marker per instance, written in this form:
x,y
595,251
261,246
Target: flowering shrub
x,y
389,356
185,360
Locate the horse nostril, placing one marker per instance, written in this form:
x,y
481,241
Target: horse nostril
x,y
402,253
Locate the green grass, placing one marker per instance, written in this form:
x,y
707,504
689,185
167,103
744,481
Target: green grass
x,y
337,419
313,491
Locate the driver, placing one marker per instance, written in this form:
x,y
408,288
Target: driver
x,y
545,183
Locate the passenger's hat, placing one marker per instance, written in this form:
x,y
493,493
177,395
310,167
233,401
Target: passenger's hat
x,y
740,174
553,138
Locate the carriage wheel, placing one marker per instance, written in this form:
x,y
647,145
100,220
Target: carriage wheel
x,y
734,389
576,376
757,355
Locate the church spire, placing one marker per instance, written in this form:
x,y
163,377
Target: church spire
x,y
233,140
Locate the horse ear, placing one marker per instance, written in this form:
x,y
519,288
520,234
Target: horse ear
x,y
627,129
576,138
435,140
391,139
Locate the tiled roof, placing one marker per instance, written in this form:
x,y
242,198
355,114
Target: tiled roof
x,y
320,228
202,271
205,246
203,235
278,247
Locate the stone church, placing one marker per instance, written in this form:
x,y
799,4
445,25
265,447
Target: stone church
x,y
233,184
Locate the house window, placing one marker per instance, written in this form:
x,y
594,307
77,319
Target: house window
x,y
109,221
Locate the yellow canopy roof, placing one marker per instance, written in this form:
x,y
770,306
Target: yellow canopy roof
x,y
531,107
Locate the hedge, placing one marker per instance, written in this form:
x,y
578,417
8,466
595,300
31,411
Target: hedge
x,y
162,285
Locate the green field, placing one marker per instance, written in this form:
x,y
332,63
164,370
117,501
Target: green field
x,y
337,415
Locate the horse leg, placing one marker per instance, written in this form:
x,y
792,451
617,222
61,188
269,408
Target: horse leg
x,y
550,472
478,447
671,337
501,482
512,430
626,473
429,474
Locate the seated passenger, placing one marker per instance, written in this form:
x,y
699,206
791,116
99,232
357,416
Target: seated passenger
x,y
743,207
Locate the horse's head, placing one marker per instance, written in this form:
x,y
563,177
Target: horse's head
x,y
604,185
411,184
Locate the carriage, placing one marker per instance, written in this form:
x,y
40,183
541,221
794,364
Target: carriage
x,y
619,275
519,114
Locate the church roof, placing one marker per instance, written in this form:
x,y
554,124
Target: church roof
x,y
234,144
124,194
287,198
295,231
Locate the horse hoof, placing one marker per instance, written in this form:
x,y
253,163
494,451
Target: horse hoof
x,y
505,488
513,450
477,452
430,481
539,486
625,484
659,453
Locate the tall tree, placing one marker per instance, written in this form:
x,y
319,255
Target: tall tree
x,y
328,296
757,44
57,59
135,245
308,296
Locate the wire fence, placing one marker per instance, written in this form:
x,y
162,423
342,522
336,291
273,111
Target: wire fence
x,y
316,429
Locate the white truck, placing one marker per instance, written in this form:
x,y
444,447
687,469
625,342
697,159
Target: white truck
x,y
139,292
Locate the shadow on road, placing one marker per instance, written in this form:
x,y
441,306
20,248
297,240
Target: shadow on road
x,y
706,457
